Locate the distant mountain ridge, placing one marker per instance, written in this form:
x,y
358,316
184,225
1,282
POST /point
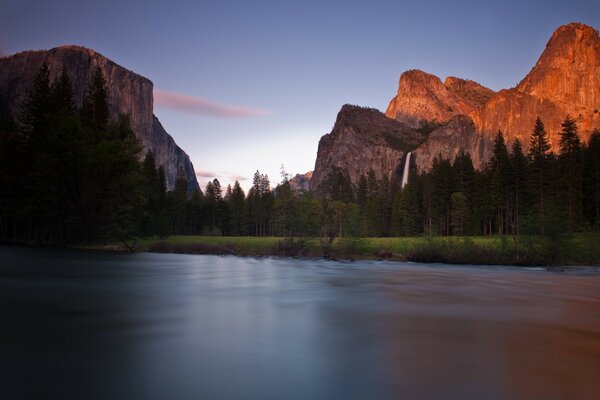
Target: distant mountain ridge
x,y
460,114
129,93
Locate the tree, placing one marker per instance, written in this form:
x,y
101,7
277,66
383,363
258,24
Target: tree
x,y
37,107
517,186
441,189
458,212
539,160
463,174
374,208
499,173
283,208
570,162
407,215
592,180
180,202
237,210
260,201
61,94
95,113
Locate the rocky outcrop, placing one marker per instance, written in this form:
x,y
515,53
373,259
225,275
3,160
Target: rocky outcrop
x,y
564,81
363,139
301,182
129,93
460,133
423,98
471,92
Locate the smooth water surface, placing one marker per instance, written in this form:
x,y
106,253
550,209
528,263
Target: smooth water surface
x,y
77,324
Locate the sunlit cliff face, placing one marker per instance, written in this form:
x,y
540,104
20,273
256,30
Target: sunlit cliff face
x,y
564,81
462,115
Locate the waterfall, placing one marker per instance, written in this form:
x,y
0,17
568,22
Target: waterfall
x,y
406,168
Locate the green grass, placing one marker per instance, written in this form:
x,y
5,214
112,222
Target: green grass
x,y
577,249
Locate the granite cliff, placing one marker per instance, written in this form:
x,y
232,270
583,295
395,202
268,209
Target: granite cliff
x,y
129,93
423,98
564,81
301,182
363,139
435,118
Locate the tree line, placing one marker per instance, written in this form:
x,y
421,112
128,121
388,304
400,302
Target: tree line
x,y
74,175
530,191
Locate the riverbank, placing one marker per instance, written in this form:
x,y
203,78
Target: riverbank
x,y
576,249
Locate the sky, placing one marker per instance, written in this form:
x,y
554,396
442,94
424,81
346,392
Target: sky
x,y
253,85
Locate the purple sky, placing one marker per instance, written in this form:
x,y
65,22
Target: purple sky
x,y
247,85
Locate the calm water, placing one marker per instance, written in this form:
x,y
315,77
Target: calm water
x,y
80,325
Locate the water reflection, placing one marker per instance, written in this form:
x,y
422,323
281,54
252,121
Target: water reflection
x,y
89,325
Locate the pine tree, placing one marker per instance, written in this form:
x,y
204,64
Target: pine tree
x,y
570,162
464,182
407,214
441,189
180,202
37,106
458,212
237,210
374,209
592,180
62,93
539,165
95,111
517,186
260,201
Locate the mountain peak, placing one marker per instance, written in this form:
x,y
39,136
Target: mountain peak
x,y
422,98
577,28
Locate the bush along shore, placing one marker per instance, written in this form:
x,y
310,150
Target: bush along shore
x,y
565,250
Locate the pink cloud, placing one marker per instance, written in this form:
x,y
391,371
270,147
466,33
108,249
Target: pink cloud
x,y
205,174
197,105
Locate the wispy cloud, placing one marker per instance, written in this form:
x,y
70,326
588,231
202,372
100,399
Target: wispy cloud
x,y
198,105
205,174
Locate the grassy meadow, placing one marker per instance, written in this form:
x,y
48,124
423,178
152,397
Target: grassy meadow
x,y
575,249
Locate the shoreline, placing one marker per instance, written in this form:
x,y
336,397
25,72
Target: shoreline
x,y
575,252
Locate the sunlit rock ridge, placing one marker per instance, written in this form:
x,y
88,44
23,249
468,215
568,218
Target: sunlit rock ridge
x,y
442,118
129,93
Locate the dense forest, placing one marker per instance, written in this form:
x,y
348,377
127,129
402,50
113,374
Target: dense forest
x,y
74,175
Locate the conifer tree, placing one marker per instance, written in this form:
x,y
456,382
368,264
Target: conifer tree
x,y
180,202
94,110
237,210
62,93
539,177
592,180
517,186
570,162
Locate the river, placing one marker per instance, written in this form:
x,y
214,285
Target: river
x,y
80,324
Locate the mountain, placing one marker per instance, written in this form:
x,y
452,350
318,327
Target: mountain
x,y
363,139
433,118
423,98
128,93
301,182
565,80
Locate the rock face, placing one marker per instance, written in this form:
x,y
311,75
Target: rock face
x,y
469,91
460,133
301,182
363,139
565,80
422,98
460,114
129,93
